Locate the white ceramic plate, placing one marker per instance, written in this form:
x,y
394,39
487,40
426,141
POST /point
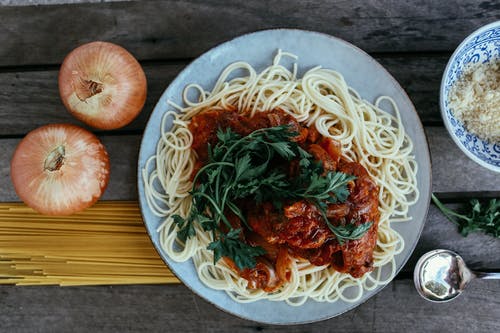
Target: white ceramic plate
x,y
362,73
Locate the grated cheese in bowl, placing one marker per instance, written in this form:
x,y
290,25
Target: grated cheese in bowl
x,y
475,100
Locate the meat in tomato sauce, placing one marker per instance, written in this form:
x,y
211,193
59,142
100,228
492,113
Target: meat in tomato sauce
x,y
297,229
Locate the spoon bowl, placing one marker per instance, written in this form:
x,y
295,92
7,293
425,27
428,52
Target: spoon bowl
x,y
441,275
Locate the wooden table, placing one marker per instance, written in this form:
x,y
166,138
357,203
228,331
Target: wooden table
x,y
412,39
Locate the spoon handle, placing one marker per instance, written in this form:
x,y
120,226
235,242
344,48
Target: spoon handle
x,y
484,275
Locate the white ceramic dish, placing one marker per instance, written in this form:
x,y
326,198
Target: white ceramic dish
x,y
361,72
482,46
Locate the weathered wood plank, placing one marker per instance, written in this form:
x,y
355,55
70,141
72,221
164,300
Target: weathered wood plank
x,y
452,171
480,251
184,29
174,308
180,29
48,2
31,98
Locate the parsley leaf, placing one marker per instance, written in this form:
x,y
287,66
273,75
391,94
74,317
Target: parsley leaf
x,y
481,217
186,228
331,188
229,245
350,231
254,167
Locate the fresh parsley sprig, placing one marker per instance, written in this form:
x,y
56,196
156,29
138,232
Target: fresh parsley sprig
x,y
349,231
481,217
229,245
331,188
254,167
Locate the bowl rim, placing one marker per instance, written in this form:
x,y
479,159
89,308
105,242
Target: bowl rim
x,y
442,97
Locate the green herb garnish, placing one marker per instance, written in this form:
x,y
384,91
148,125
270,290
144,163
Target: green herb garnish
x,y
349,231
481,217
252,167
229,245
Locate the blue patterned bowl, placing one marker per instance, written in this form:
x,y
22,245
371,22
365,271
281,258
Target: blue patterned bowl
x,y
482,46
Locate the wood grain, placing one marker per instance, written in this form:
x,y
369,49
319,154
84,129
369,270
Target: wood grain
x,y
453,172
29,99
478,250
412,39
184,29
174,308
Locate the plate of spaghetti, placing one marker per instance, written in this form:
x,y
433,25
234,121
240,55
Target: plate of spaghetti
x,y
284,176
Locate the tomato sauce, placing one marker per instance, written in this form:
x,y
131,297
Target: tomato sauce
x,y
298,229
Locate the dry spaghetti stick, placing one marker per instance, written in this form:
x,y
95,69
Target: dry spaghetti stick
x,y
106,244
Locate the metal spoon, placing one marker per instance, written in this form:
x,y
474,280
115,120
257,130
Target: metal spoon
x,y
442,275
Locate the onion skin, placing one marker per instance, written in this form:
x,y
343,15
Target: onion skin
x,y
103,85
60,184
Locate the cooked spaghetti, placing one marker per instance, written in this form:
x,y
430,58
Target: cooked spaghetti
x,y
320,101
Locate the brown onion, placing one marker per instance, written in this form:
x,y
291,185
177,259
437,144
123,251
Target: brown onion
x,y
60,169
103,85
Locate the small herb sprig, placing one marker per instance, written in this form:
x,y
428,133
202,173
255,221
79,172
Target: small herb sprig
x,y
248,167
481,217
